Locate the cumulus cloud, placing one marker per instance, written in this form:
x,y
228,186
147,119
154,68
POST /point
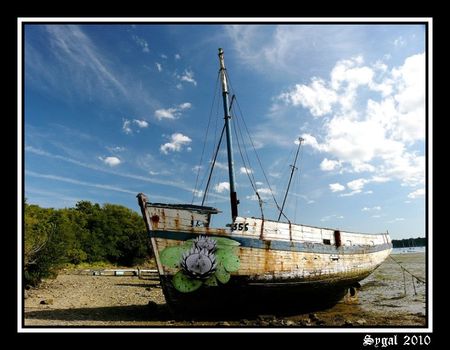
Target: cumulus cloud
x,y
263,192
178,140
111,161
222,187
177,56
188,76
127,126
244,170
141,123
375,137
329,165
159,66
336,187
172,113
317,97
417,193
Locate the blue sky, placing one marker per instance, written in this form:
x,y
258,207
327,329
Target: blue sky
x,y
114,110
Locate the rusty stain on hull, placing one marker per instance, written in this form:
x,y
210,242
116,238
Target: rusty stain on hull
x,y
285,258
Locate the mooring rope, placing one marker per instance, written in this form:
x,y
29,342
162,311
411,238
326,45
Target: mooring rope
x,y
405,270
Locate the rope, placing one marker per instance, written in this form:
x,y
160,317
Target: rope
x,y
204,141
212,166
409,272
248,169
256,153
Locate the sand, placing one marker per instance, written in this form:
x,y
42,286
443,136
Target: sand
x,y
84,300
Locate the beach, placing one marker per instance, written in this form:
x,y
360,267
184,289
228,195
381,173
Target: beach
x,y
387,298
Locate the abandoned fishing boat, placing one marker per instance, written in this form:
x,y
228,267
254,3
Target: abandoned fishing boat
x,y
253,263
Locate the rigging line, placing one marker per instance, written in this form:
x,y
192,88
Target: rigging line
x,y
404,269
245,147
249,167
215,134
212,166
204,141
292,174
257,157
249,174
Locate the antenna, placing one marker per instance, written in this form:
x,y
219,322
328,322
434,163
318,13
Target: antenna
x,y
300,140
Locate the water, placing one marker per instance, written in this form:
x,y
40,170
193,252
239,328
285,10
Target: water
x,y
406,250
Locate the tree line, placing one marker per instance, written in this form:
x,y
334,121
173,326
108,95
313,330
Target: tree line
x,y
87,233
409,242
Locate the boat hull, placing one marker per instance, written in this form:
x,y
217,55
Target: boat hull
x,y
282,267
242,297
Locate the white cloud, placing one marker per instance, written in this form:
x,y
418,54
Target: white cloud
x,y
336,187
177,56
400,41
188,76
396,220
329,217
222,187
172,113
126,127
263,192
165,181
111,161
159,66
377,137
259,183
77,182
115,149
165,113
376,208
220,165
198,193
163,56
178,140
141,123
329,165
285,48
417,193
185,105
77,68
316,97
244,170
142,43
356,185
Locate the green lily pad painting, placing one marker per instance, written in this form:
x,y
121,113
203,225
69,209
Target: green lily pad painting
x,y
202,261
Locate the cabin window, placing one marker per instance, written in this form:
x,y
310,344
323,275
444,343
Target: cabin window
x,y
327,241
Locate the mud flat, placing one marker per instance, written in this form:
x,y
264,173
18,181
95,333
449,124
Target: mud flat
x,y
127,301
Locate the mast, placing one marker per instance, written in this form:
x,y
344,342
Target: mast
x,y
300,140
233,195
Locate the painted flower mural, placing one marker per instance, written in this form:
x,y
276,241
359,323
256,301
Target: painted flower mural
x,y
202,261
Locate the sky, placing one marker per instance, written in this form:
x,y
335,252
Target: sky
x,y
111,110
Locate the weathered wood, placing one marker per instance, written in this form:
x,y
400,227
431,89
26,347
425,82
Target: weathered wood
x,y
287,258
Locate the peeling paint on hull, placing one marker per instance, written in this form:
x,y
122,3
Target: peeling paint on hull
x,y
281,265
